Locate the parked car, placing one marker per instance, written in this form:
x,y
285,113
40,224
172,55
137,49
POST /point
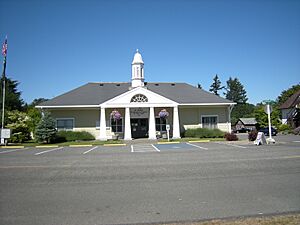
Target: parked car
x,y
243,130
266,131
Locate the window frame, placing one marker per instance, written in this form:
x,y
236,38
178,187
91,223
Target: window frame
x,y
205,116
117,125
65,118
161,125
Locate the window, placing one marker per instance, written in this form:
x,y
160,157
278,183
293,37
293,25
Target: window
x,y
139,98
160,124
65,124
116,125
209,122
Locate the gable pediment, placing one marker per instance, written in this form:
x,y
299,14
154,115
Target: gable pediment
x,y
138,97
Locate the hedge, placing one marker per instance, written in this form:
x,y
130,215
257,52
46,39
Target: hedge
x,y
204,133
62,136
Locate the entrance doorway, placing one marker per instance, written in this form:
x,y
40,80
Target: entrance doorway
x,y
139,128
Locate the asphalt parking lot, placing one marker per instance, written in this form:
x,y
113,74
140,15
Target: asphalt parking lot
x,y
145,183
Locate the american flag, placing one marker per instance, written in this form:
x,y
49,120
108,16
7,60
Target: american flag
x,y
4,48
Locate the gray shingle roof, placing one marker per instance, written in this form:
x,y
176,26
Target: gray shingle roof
x,y
248,121
97,93
291,101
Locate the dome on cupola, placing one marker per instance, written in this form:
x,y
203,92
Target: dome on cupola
x,y
137,58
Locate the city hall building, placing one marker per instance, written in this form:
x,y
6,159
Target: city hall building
x,y
138,109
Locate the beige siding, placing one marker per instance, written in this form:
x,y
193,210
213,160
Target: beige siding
x,y
190,117
84,120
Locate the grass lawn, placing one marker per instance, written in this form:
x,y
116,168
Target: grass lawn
x,y
268,220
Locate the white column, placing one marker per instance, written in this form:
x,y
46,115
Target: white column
x,y
127,132
152,133
102,125
176,128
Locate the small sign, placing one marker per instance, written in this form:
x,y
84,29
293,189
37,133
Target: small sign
x,y
266,109
139,113
260,139
5,133
167,126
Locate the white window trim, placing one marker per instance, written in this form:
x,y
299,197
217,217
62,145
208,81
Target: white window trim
x,y
66,118
157,117
201,124
110,126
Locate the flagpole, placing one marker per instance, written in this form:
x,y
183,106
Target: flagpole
x,y
4,52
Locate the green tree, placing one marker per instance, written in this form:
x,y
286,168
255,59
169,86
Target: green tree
x,y
262,117
13,100
34,118
18,123
244,110
45,130
287,93
216,85
235,91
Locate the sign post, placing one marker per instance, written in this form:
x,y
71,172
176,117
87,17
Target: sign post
x,y
268,110
168,131
5,134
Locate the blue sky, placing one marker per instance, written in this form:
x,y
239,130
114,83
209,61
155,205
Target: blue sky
x,y
55,46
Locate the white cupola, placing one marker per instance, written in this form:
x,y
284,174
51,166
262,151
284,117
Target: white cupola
x,y
137,70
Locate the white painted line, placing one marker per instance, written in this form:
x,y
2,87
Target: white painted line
x,y
39,153
197,146
90,150
296,141
14,150
237,146
155,148
132,148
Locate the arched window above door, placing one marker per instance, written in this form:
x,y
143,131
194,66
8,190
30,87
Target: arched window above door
x,y
139,98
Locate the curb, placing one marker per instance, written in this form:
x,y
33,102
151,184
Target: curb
x,y
77,146
166,143
114,145
47,146
199,141
12,147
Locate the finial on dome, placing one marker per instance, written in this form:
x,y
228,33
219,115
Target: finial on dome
x,y
137,57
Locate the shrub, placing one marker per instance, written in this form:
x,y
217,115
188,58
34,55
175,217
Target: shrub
x,y
231,137
73,136
252,135
18,123
285,128
204,133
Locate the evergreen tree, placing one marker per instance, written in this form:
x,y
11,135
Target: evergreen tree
x,y
245,110
45,130
13,100
235,91
216,85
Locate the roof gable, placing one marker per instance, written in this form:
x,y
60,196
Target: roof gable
x,y
248,121
291,101
126,98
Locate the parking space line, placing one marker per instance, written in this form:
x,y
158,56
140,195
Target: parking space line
x,y
132,148
90,150
13,150
197,146
39,153
233,145
155,148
